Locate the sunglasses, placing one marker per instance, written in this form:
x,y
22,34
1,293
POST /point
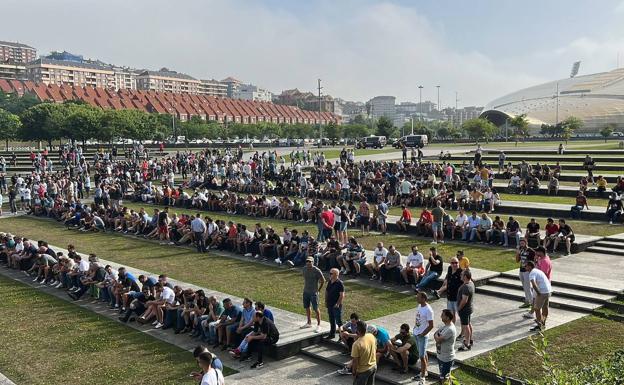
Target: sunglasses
x,y
454,263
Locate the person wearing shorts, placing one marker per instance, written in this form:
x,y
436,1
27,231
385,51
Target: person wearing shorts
x,y
313,281
445,344
422,326
542,290
465,296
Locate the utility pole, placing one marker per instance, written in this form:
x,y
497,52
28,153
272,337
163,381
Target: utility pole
x,y
557,108
438,105
319,115
456,110
420,104
175,133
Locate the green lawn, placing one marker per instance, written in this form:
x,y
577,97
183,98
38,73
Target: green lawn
x,y
562,200
275,286
46,340
335,153
571,346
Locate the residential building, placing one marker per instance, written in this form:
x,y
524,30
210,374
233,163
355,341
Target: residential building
x,y
251,92
382,106
65,56
12,71
59,72
11,52
460,115
167,81
213,87
125,78
232,85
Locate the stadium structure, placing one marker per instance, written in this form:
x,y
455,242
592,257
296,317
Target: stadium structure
x,y
596,99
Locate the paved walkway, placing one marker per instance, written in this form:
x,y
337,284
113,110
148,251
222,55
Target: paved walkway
x,y
497,322
601,271
5,381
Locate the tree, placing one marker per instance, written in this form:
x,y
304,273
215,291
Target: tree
x,y
16,104
479,128
548,129
195,128
44,121
9,126
386,128
333,131
83,122
607,131
569,125
355,130
520,125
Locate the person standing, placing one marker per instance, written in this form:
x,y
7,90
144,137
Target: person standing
x,y
452,283
542,290
198,226
313,281
334,296
465,296
523,255
438,214
211,376
363,352
422,326
445,345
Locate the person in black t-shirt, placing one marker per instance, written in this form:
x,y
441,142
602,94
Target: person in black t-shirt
x,y
264,334
614,209
433,270
451,285
532,232
565,235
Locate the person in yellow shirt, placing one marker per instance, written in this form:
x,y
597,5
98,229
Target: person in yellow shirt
x,y
364,365
464,262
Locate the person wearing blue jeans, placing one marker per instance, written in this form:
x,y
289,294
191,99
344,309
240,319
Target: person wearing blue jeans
x,y
433,269
334,296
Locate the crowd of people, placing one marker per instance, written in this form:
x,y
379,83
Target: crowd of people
x,y
336,197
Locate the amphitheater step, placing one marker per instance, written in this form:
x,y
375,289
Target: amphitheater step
x,y
555,301
330,354
558,291
606,250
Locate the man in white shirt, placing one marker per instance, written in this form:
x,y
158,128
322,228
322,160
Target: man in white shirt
x,y
379,256
422,326
198,227
414,265
542,291
460,221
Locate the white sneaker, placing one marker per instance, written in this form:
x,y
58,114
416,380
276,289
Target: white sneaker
x,y
257,256
36,279
155,323
290,263
528,315
248,255
278,261
317,329
305,326
342,271
158,325
58,285
434,242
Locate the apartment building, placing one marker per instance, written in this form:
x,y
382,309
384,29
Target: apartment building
x,y
167,81
251,92
11,52
59,72
213,87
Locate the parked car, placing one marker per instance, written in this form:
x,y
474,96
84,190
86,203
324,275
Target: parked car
x,y
419,141
372,142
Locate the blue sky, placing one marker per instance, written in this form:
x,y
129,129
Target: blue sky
x,y
481,49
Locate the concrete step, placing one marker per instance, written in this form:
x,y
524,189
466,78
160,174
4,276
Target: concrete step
x,y
613,292
385,373
558,291
606,250
610,244
555,301
618,238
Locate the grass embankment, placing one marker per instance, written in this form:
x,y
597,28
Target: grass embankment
x,y
275,286
46,340
571,346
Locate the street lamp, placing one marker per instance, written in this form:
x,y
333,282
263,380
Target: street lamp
x,y
420,104
438,105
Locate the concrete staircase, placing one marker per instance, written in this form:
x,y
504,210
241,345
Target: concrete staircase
x,y
335,354
565,296
613,245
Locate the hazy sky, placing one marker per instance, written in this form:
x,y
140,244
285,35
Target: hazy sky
x,y
481,48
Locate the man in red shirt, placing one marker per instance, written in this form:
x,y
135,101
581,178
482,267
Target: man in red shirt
x,y
405,220
423,226
327,222
551,232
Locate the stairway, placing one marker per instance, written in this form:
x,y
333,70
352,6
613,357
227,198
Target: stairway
x,y
332,352
565,296
613,245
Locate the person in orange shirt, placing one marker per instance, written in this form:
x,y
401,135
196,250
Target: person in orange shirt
x,y
423,226
405,220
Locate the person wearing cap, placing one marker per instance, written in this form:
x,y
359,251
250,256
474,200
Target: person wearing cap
x,y
422,326
403,349
313,282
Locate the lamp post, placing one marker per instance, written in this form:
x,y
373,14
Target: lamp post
x,y
420,104
438,105
319,116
